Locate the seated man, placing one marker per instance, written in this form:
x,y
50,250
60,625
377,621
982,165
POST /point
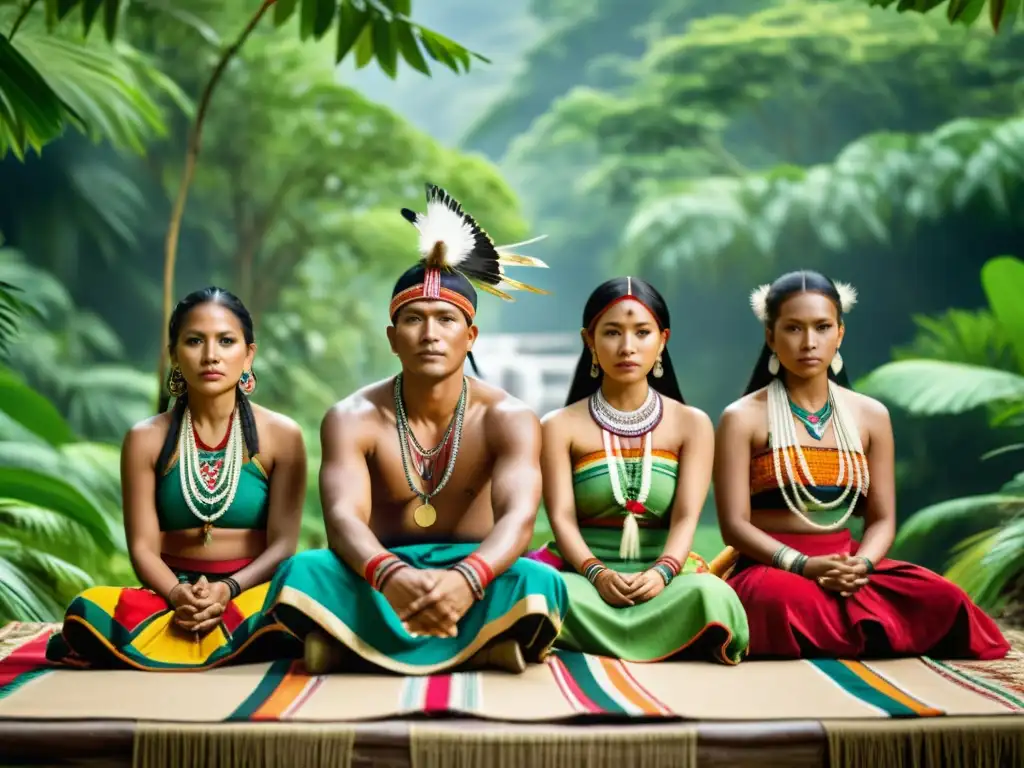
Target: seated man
x,y
424,571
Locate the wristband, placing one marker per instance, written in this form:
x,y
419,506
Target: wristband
x,y
592,568
382,567
868,563
788,559
234,590
470,575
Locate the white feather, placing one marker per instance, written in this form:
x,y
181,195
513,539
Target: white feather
x,y
510,246
847,296
441,224
759,302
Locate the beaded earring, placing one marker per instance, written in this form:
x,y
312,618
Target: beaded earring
x,y
176,384
248,382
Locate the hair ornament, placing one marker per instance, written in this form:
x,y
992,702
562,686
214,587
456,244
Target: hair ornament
x,y
847,296
759,302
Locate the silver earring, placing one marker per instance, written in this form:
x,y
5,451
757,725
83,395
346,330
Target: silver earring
x,y
773,364
837,363
659,369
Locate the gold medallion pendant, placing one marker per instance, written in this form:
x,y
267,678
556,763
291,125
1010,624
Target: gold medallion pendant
x,y
207,534
425,515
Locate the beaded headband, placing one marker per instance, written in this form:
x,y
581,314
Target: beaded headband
x,y
759,299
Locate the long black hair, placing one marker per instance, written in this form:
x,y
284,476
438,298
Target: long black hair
x,y
785,287
606,294
210,295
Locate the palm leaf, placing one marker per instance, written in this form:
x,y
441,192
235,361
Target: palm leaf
x,y
988,562
1003,281
33,411
960,336
36,475
925,537
49,531
932,387
31,112
22,596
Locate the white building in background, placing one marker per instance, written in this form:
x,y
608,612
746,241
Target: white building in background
x,y
537,368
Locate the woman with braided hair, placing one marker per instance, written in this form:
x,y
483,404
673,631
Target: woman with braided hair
x,y
213,492
627,466
797,456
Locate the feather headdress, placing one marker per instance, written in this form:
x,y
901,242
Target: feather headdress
x,y
759,299
450,239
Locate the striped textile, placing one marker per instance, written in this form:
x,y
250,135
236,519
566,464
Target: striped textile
x,y
566,686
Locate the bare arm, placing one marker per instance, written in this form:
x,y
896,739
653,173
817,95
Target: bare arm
x,y
732,488
138,493
345,440
880,515
696,459
559,500
287,494
514,435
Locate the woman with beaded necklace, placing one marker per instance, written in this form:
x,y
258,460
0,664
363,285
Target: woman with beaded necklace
x,y
797,456
213,494
627,466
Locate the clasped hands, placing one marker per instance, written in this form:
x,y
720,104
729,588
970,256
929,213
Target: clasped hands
x,y
198,607
841,573
625,589
429,602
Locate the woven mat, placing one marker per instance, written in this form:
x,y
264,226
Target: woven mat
x,y
566,687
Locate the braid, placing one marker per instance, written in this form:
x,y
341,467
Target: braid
x,y
249,432
171,441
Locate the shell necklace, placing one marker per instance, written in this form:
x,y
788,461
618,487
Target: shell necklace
x,y
208,488
425,515
638,423
782,435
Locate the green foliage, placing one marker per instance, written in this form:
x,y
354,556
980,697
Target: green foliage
x,y
989,527
72,358
59,518
1000,12
53,79
874,183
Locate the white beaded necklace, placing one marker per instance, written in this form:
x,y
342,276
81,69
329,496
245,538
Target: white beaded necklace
x,y
782,435
193,485
629,546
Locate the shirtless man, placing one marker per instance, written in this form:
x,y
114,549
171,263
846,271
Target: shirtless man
x,y
424,572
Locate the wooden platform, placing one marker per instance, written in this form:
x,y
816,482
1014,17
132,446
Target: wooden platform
x,y
720,745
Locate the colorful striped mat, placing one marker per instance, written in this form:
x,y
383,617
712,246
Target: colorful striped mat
x,y
567,686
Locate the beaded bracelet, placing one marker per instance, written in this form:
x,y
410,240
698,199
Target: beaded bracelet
x,y
380,568
788,559
667,567
591,568
234,589
477,572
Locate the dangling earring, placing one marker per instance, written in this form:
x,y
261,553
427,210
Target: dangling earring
x,y
659,369
247,383
176,382
837,363
773,364
594,368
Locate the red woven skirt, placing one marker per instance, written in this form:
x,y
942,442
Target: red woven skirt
x,y
903,610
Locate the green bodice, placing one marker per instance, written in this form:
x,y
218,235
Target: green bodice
x,y
248,510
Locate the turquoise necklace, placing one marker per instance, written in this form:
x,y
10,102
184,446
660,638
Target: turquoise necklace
x,y
816,422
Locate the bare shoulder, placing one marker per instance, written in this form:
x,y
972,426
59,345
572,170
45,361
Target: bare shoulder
x,y
872,411
359,413
566,416
148,435
501,408
745,414
281,429
690,418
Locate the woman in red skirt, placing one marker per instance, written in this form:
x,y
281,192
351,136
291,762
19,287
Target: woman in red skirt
x,y
797,456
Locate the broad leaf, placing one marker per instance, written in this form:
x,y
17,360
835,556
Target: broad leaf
x,y
931,387
1003,280
988,562
30,409
928,534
